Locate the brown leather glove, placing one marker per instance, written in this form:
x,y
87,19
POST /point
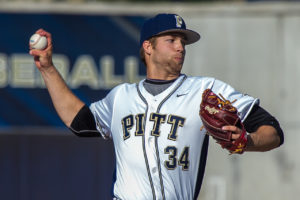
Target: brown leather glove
x,y
216,112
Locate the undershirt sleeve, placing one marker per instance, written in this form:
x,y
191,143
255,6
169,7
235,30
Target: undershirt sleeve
x,y
258,117
84,125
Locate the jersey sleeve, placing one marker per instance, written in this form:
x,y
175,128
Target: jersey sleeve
x,y
243,102
258,117
102,111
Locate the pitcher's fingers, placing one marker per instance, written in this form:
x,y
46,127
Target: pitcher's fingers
x,y
41,32
45,33
230,128
235,136
35,52
236,132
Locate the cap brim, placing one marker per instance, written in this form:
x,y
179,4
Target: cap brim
x,y
191,36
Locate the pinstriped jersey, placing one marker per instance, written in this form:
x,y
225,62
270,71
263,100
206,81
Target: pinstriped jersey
x,y
157,139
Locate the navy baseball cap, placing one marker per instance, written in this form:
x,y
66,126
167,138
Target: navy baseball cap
x,y
166,23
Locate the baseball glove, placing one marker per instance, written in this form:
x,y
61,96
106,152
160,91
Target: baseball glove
x,y
216,112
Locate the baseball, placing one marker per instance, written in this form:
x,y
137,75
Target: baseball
x,y
38,42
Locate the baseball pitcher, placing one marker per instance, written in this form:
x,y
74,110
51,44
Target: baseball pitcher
x,y
160,127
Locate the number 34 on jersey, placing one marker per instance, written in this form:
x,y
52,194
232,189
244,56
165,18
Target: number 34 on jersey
x,y
158,119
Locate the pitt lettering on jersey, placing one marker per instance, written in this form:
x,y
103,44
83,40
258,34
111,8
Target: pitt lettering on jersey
x,y
176,121
158,119
127,124
139,118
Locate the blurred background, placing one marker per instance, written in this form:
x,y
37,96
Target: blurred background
x,y
252,45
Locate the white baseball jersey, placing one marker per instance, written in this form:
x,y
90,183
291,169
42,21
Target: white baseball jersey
x,y
157,139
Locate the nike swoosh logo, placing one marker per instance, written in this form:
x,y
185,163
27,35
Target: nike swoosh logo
x,y
179,95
